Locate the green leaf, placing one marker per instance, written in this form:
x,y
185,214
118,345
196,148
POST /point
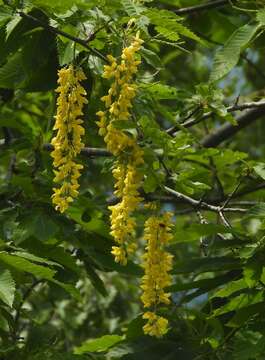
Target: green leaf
x,y
260,170
71,289
106,262
202,284
240,301
252,271
200,265
183,30
257,211
98,345
244,314
249,345
168,20
5,14
42,226
11,73
161,91
35,258
193,232
261,16
66,52
61,6
7,287
24,265
167,33
10,26
230,288
132,8
151,58
58,254
227,57
95,279
150,183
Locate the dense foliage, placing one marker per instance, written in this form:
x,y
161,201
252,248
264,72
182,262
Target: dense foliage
x,y
160,164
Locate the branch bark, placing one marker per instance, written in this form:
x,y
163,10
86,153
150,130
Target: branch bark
x,y
188,122
210,5
228,130
197,204
56,31
87,151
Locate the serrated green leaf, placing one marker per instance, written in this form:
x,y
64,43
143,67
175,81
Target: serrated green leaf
x,y
151,58
161,91
165,19
227,57
239,302
5,14
24,265
230,288
59,6
261,16
167,33
252,272
195,231
260,170
35,258
66,52
162,15
132,8
200,265
244,314
98,345
11,73
7,287
249,345
42,226
201,284
95,279
257,211
10,26
70,288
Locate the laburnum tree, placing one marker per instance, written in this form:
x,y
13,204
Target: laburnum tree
x,y
132,179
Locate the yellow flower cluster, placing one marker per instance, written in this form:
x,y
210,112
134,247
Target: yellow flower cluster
x,y
118,103
157,264
67,142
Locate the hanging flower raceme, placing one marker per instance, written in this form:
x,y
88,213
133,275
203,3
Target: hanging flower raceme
x,y
118,103
157,264
67,143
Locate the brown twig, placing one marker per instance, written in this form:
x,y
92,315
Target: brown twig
x,y
227,130
87,151
64,34
208,6
236,107
197,204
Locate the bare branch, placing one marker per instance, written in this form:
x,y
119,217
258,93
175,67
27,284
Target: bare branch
x,y
227,130
87,151
250,190
200,204
187,123
210,5
64,34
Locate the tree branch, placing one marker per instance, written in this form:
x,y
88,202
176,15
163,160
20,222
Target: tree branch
x,y
250,190
187,122
210,5
200,204
227,130
87,151
64,34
